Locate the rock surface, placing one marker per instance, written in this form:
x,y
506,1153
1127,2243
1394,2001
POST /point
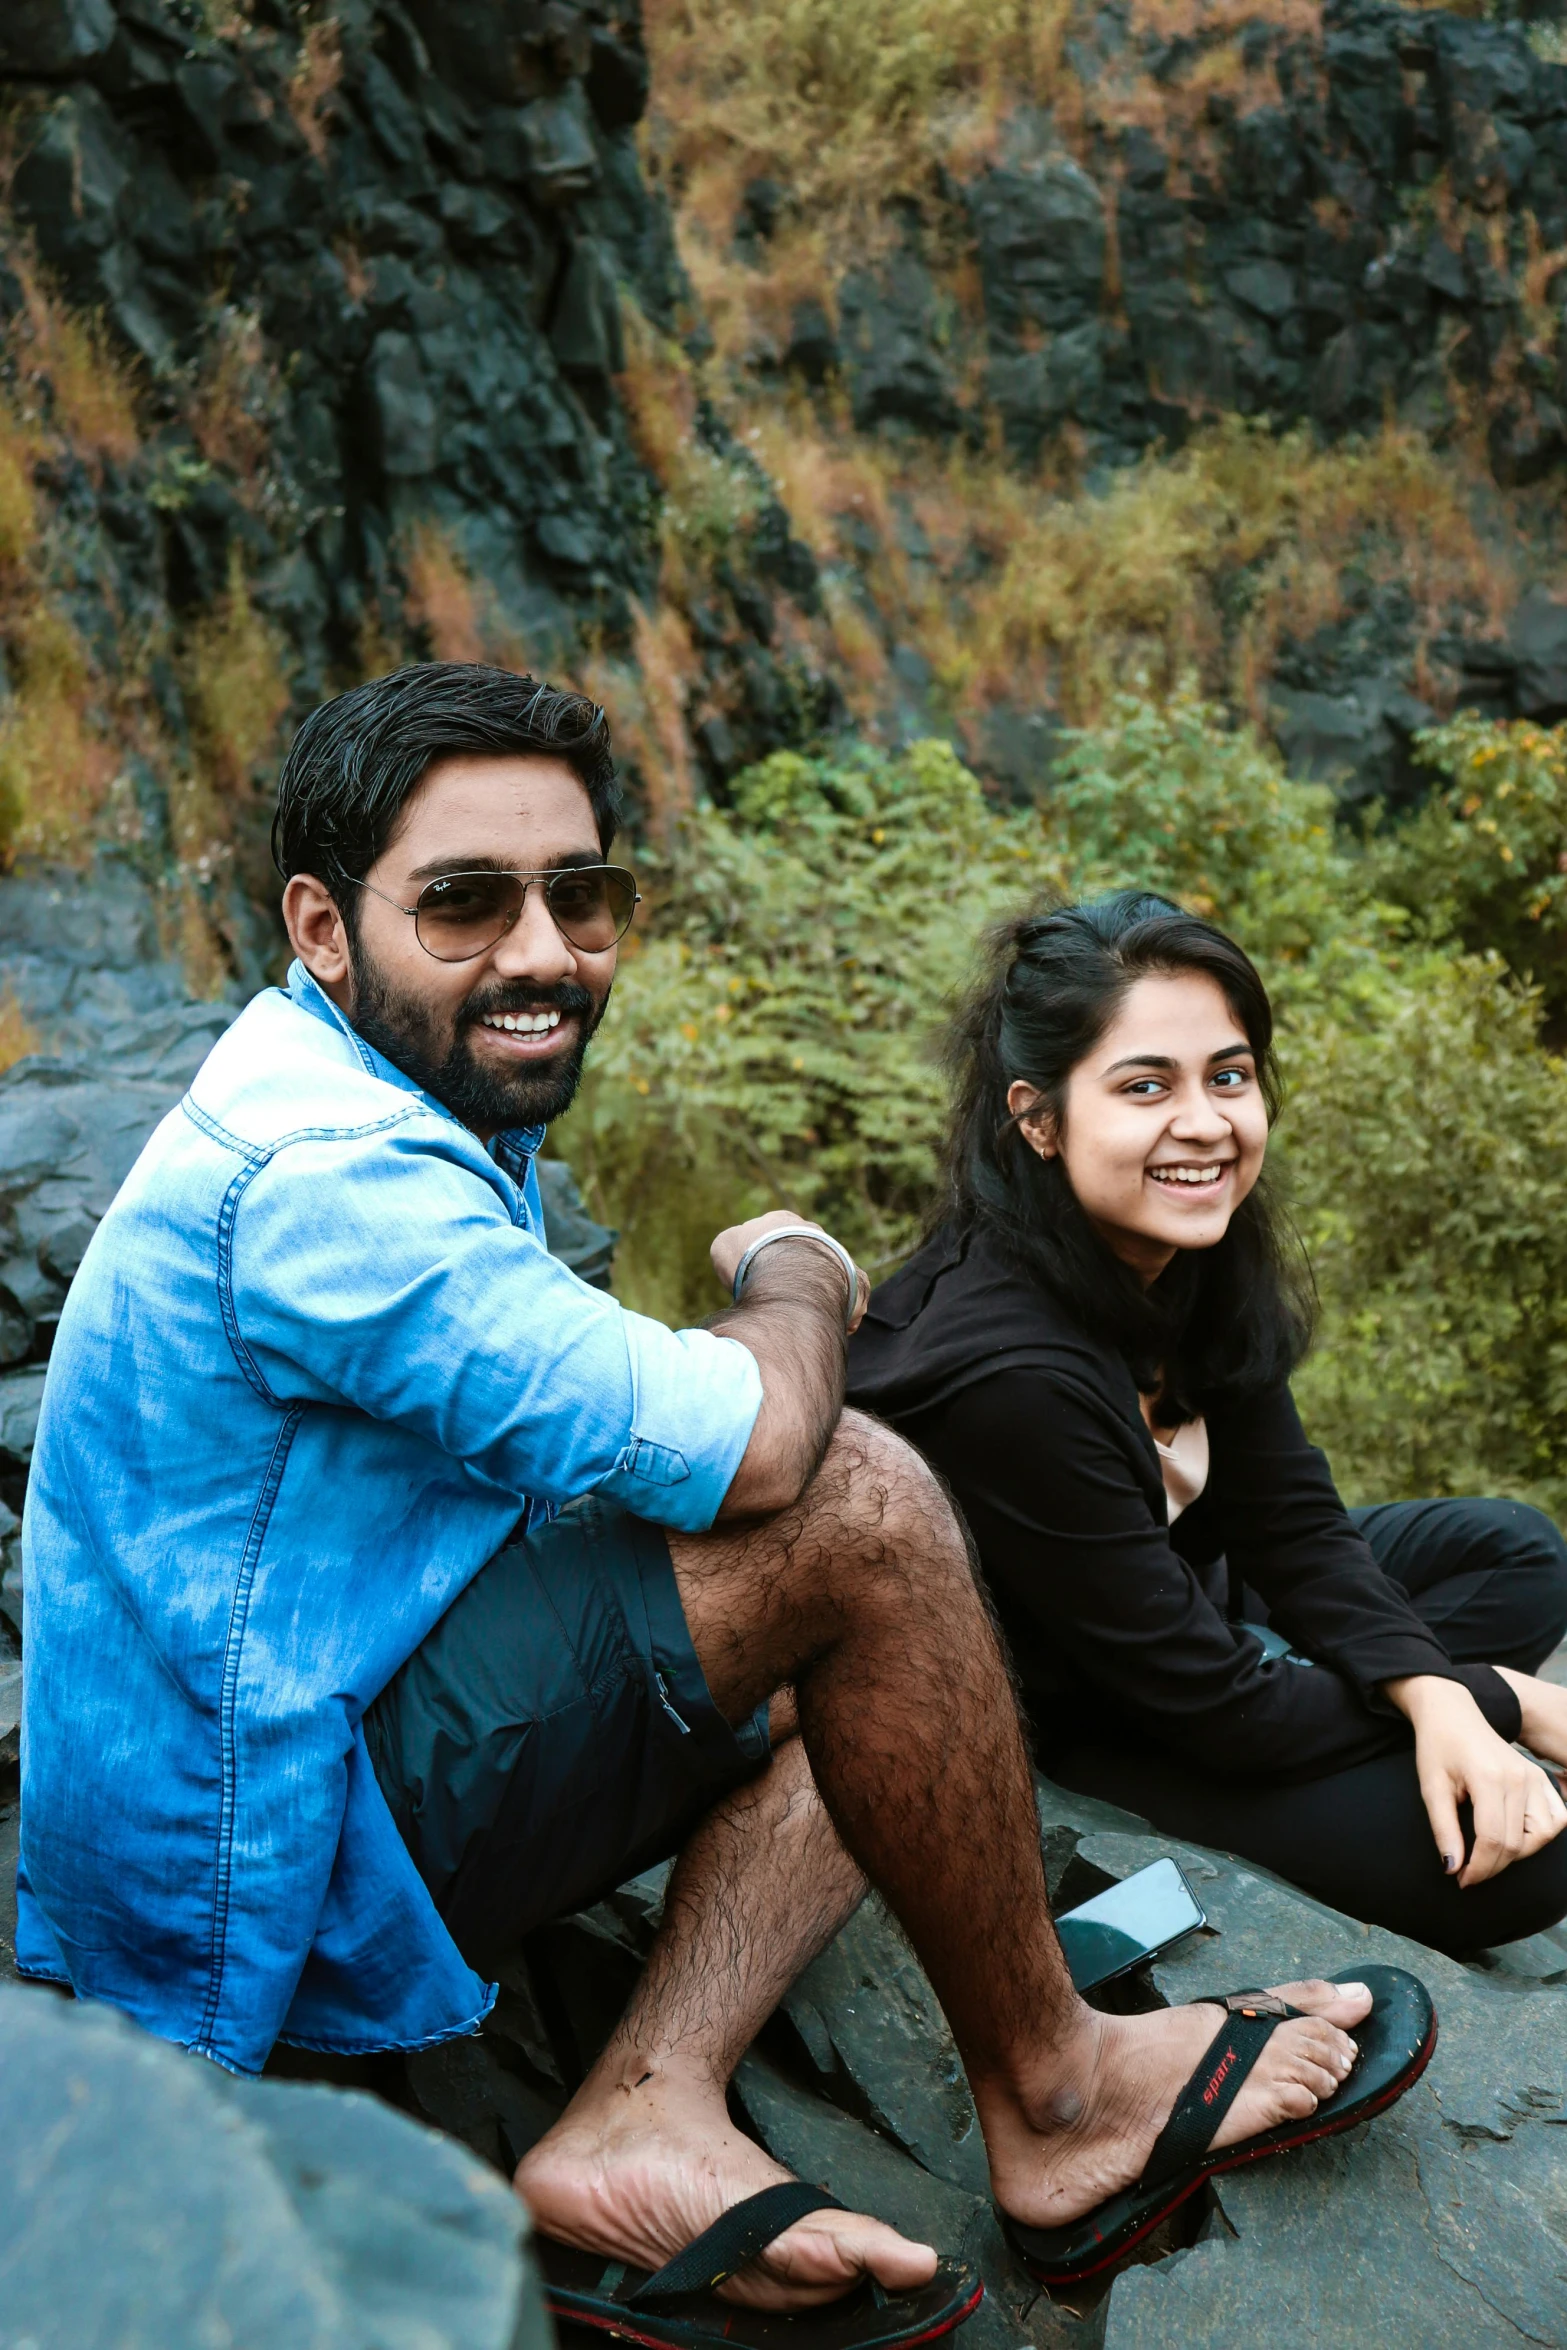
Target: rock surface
x,y
411,242
1440,2221
149,2202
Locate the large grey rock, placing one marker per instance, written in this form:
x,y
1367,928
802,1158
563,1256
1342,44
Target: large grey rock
x,y
85,960
150,2202
1537,645
1359,740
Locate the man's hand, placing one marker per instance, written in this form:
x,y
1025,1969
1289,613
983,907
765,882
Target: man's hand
x,y
791,1317
1458,1756
731,1245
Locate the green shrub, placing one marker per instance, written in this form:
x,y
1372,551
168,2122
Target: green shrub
x,y
1484,862
1425,1141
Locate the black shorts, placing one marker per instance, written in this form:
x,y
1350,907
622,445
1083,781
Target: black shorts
x,y
554,1735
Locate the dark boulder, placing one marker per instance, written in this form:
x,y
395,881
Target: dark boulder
x,y
1537,647
49,37
1360,740
894,340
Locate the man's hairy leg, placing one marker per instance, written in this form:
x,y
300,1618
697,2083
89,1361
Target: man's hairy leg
x,y
862,1596
646,2156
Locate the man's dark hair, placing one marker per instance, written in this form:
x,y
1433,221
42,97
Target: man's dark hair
x,y
1218,1321
355,761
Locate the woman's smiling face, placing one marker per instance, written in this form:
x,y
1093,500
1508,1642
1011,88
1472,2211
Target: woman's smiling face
x,y
1165,1126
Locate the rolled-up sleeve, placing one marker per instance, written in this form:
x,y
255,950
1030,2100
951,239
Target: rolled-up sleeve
x,y
383,1272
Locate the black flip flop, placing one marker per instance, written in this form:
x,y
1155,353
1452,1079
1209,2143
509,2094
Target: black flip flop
x,y
1395,2042
675,2308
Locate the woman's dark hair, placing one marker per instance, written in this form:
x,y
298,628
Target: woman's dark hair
x,y
1222,1320
355,762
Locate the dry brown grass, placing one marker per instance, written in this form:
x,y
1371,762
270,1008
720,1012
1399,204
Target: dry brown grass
x,y
19,517
18,1036
1167,20
235,687
649,702
66,364
312,89
846,101
441,600
1037,593
229,413
57,758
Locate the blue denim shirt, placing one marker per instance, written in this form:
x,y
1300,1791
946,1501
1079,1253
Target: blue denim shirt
x,y
316,1366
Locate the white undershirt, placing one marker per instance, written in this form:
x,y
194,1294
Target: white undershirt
x,y
1183,1461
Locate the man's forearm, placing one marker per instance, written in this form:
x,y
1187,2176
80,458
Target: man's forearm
x,y
791,1318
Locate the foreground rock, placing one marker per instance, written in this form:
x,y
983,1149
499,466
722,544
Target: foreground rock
x,y
223,2211
1444,2220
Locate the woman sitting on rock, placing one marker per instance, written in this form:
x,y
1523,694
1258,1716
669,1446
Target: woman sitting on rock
x,y
1095,1348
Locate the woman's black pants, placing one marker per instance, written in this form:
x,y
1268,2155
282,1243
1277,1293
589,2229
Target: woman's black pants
x,y
1490,1578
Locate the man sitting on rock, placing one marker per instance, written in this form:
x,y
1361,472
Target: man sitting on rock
x,y
390,1591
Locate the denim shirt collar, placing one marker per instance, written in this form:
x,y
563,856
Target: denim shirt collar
x,y
511,1150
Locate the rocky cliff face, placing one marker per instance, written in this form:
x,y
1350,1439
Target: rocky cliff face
x,y
377,269
407,228
1348,219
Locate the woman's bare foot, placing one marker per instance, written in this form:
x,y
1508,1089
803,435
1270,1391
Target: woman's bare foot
x,y
637,2171
1085,2131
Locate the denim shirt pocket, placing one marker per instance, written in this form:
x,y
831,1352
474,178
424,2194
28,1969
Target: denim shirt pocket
x,y
654,1464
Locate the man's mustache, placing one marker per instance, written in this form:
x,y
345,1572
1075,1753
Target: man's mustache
x,y
567,995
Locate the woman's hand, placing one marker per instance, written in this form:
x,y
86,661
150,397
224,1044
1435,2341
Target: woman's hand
x,y
1517,1809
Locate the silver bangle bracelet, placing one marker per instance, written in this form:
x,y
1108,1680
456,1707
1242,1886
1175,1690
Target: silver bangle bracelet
x,y
851,1271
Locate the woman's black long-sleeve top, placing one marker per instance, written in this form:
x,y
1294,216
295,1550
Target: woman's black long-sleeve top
x,y
1117,1621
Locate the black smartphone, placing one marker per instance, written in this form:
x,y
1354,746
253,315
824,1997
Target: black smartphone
x,y
1133,1922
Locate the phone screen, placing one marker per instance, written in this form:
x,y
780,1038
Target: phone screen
x,y
1130,1923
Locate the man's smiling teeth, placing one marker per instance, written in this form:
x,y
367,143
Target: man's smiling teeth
x,y
1202,1176
522,1023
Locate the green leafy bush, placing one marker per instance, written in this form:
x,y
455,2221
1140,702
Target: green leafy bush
x,y
1425,1139
1484,862
772,1043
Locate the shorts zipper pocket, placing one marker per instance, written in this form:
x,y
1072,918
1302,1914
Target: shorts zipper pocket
x,y
663,1698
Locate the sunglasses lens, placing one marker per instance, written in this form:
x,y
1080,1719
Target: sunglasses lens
x,y
592,907
462,914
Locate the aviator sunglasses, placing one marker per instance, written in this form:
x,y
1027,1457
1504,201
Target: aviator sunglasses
x,y
457,916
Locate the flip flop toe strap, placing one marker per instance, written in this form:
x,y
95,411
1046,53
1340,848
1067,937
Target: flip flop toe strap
x,y
1251,2019
737,2237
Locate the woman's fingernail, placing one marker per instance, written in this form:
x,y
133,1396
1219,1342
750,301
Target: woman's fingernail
x,y
1449,1862
1349,1990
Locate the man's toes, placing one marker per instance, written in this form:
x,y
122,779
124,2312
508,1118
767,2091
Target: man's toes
x,y
1344,2004
834,2249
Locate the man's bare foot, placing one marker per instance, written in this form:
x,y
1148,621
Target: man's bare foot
x,y
1088,2128
636,2170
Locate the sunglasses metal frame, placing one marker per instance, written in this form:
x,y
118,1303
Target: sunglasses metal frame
x,y
545,874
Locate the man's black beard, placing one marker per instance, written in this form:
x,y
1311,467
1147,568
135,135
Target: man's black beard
x,y
487,1100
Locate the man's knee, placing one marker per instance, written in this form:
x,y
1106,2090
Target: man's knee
x,y
881,1488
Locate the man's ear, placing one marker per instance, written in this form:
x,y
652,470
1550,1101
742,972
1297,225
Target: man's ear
x,y
1038,1131
316,931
